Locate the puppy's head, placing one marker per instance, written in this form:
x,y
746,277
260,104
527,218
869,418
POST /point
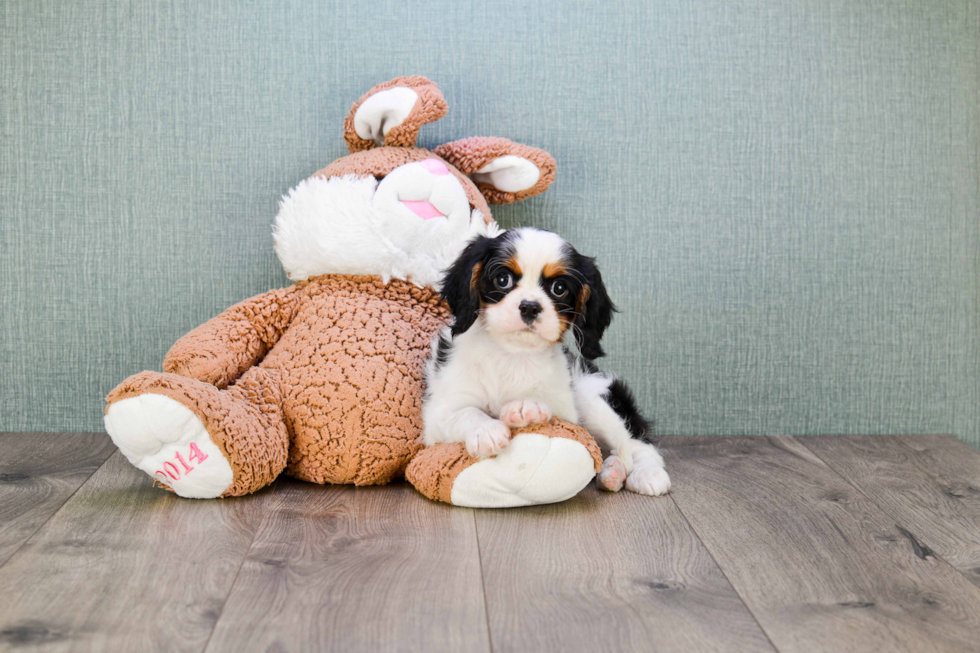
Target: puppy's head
x,y
528,287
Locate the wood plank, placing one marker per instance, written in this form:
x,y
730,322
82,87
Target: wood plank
x,y
607,572
38,473
929,483
820,566
124,566
357,569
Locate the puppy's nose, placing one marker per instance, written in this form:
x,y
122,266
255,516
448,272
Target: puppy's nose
x,y
529,311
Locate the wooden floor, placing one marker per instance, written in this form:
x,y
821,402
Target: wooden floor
x,y
764,544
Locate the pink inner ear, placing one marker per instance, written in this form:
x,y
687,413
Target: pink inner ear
x,y
423,209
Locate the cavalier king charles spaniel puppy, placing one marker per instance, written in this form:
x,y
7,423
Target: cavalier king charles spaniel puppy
x,y
503,364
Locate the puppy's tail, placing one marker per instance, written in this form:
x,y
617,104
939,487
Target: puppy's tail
x,y
620,399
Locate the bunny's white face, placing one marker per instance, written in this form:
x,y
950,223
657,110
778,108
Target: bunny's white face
x,y
409,226
421,205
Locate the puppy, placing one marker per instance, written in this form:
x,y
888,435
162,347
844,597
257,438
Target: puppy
x,y
502,363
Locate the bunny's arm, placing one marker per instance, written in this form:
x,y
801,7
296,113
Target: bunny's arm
x,y
224,347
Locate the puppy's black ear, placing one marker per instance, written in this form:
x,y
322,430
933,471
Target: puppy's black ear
x,y
459,284
594,310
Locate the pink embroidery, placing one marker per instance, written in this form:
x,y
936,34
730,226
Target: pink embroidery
x,y
171,471
196,454
180,459
172,474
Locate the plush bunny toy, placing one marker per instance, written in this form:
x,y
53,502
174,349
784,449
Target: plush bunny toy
x,y
324,379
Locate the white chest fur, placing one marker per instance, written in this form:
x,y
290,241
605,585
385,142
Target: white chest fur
x,y
496,376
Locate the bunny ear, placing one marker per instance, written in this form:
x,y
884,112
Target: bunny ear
x,y
503,170
391,113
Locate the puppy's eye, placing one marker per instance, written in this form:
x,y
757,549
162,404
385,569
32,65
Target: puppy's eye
x,y
503,281
559,288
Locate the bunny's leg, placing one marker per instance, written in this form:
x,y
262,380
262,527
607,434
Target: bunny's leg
x,y
544,463
200,441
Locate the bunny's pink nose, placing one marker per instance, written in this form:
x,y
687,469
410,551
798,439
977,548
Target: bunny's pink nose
x,y
435,166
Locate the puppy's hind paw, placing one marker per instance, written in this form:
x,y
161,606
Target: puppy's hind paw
x,y
612,476
649,479
488,439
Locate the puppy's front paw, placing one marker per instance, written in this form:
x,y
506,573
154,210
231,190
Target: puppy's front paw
x,y
613,474
524,412
649,479
488,439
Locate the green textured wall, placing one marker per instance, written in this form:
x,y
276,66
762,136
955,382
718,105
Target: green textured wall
x,y
783,194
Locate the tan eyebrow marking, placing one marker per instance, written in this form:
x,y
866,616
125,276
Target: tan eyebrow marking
x,y
583,296
554,269
514,266
475,277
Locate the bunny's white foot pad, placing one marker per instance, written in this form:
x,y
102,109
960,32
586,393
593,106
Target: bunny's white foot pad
x,y
165,439
534,469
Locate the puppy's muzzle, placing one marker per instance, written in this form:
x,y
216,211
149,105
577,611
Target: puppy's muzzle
x,y
529,311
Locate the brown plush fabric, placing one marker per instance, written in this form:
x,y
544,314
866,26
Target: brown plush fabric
x,y
429,107
378,162
471,154
434,470
352,366
224,347
245,421
342,382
